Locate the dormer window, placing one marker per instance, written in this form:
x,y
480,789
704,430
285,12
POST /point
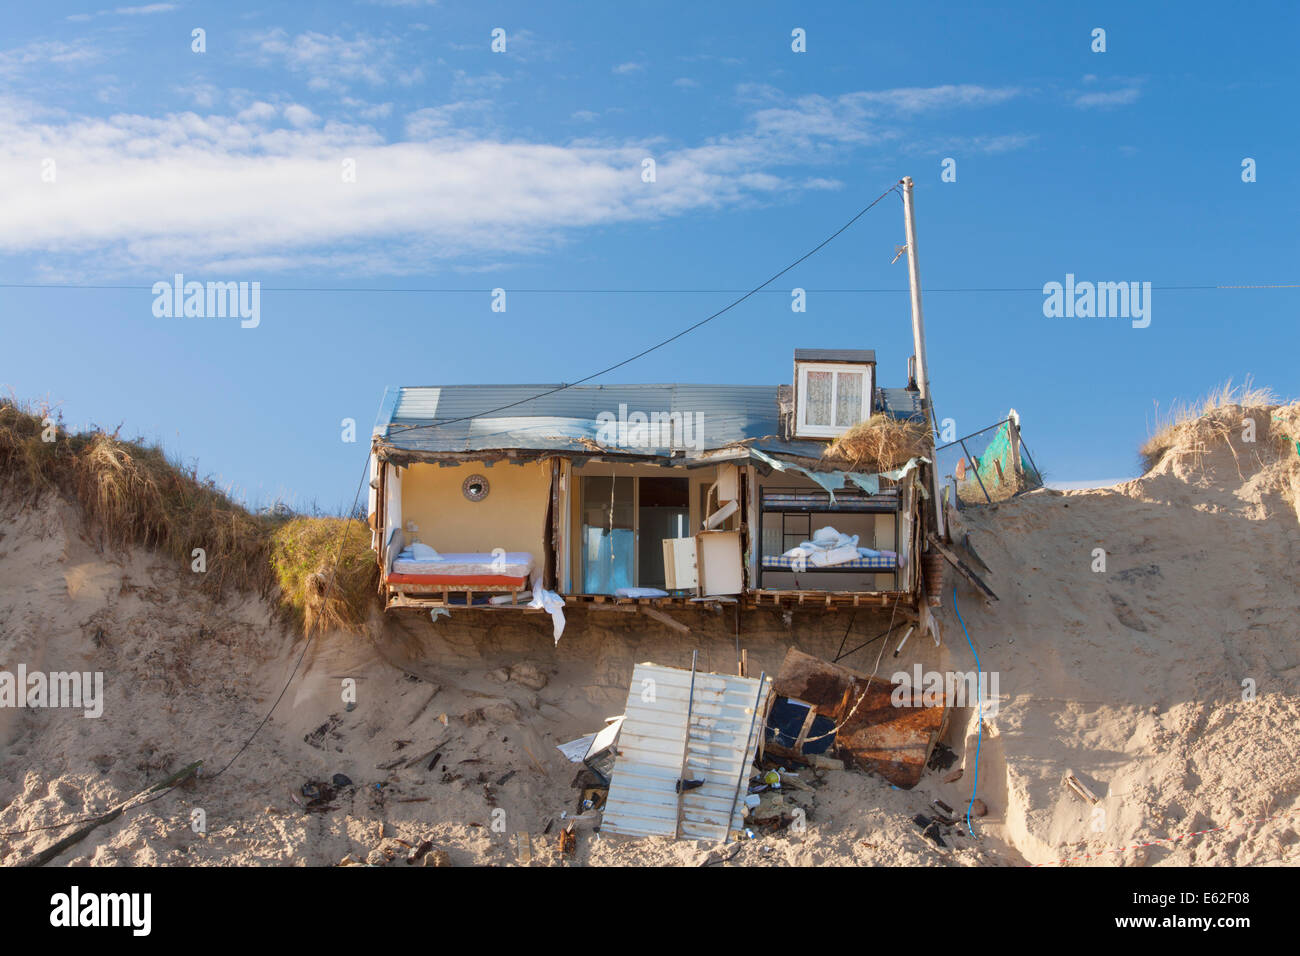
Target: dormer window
x,y
833,390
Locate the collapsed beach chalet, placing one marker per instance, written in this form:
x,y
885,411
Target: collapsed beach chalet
x,y
486,496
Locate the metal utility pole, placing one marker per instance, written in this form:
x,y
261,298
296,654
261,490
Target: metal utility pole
x,y
914,281
918,339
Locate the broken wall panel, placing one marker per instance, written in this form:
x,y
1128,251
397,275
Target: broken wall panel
x,y
679,725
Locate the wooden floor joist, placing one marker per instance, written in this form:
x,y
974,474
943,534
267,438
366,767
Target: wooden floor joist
x,y
808,599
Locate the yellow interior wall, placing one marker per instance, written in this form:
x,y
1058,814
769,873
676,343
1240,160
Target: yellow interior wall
x,y
512,516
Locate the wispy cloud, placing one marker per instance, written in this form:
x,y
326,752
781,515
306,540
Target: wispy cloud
x,y
1107,99
333,62
264,183
864,117
44,53
145,10
986,145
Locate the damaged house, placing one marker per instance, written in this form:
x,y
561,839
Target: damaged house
x,y
819,492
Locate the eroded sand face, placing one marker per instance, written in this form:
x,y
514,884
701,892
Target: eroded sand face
x,y
1132,678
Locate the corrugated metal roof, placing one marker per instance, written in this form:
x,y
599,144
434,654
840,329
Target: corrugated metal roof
x,y
473,418
654,743
861,356
476,417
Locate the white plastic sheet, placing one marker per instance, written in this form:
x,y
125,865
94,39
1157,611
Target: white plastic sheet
x,y
553,604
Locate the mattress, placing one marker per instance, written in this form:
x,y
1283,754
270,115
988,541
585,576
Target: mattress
x,y
845,500
780,562
464,569
460,581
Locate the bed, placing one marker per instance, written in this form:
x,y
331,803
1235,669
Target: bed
x,y
785,562
507,570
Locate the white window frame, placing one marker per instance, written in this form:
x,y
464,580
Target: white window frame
x,y
804,430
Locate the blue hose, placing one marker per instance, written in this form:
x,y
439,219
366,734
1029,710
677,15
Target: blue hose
x,y
979,727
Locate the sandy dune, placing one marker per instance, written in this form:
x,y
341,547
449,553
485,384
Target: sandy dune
x,y
1131,677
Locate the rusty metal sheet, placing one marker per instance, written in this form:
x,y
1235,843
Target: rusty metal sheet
x,y
875,735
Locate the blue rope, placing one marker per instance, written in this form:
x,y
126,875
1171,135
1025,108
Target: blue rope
x,y
979,727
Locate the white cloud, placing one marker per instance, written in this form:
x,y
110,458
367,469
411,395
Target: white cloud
x,y
146,9
937,97
453,119
263,186
259,112
1108,99
203,95
333,62
366,110
987,145
859,117
299,116
629,67
48,52
138,11
480,82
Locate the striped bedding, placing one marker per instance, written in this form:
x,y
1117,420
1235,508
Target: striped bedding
x,y
884,561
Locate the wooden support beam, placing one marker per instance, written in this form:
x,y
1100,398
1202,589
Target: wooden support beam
x,y
961,568
663,618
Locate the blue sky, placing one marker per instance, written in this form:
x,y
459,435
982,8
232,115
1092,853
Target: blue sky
x,y
522,170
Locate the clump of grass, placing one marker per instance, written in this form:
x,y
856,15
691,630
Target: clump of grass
x,y
1194,427
317,591
131,494
881,443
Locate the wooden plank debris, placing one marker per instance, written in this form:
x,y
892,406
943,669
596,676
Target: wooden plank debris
x,y
50,852
1080,788
662,618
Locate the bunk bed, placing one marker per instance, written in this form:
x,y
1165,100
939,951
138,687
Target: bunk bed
x,y
797,510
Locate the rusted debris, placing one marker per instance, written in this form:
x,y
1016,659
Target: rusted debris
x,y
418,851
941,758
568,840
854,717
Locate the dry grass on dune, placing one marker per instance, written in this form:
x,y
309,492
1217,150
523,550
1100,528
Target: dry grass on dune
x,y
320,593
1192,428
881,443
131,494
